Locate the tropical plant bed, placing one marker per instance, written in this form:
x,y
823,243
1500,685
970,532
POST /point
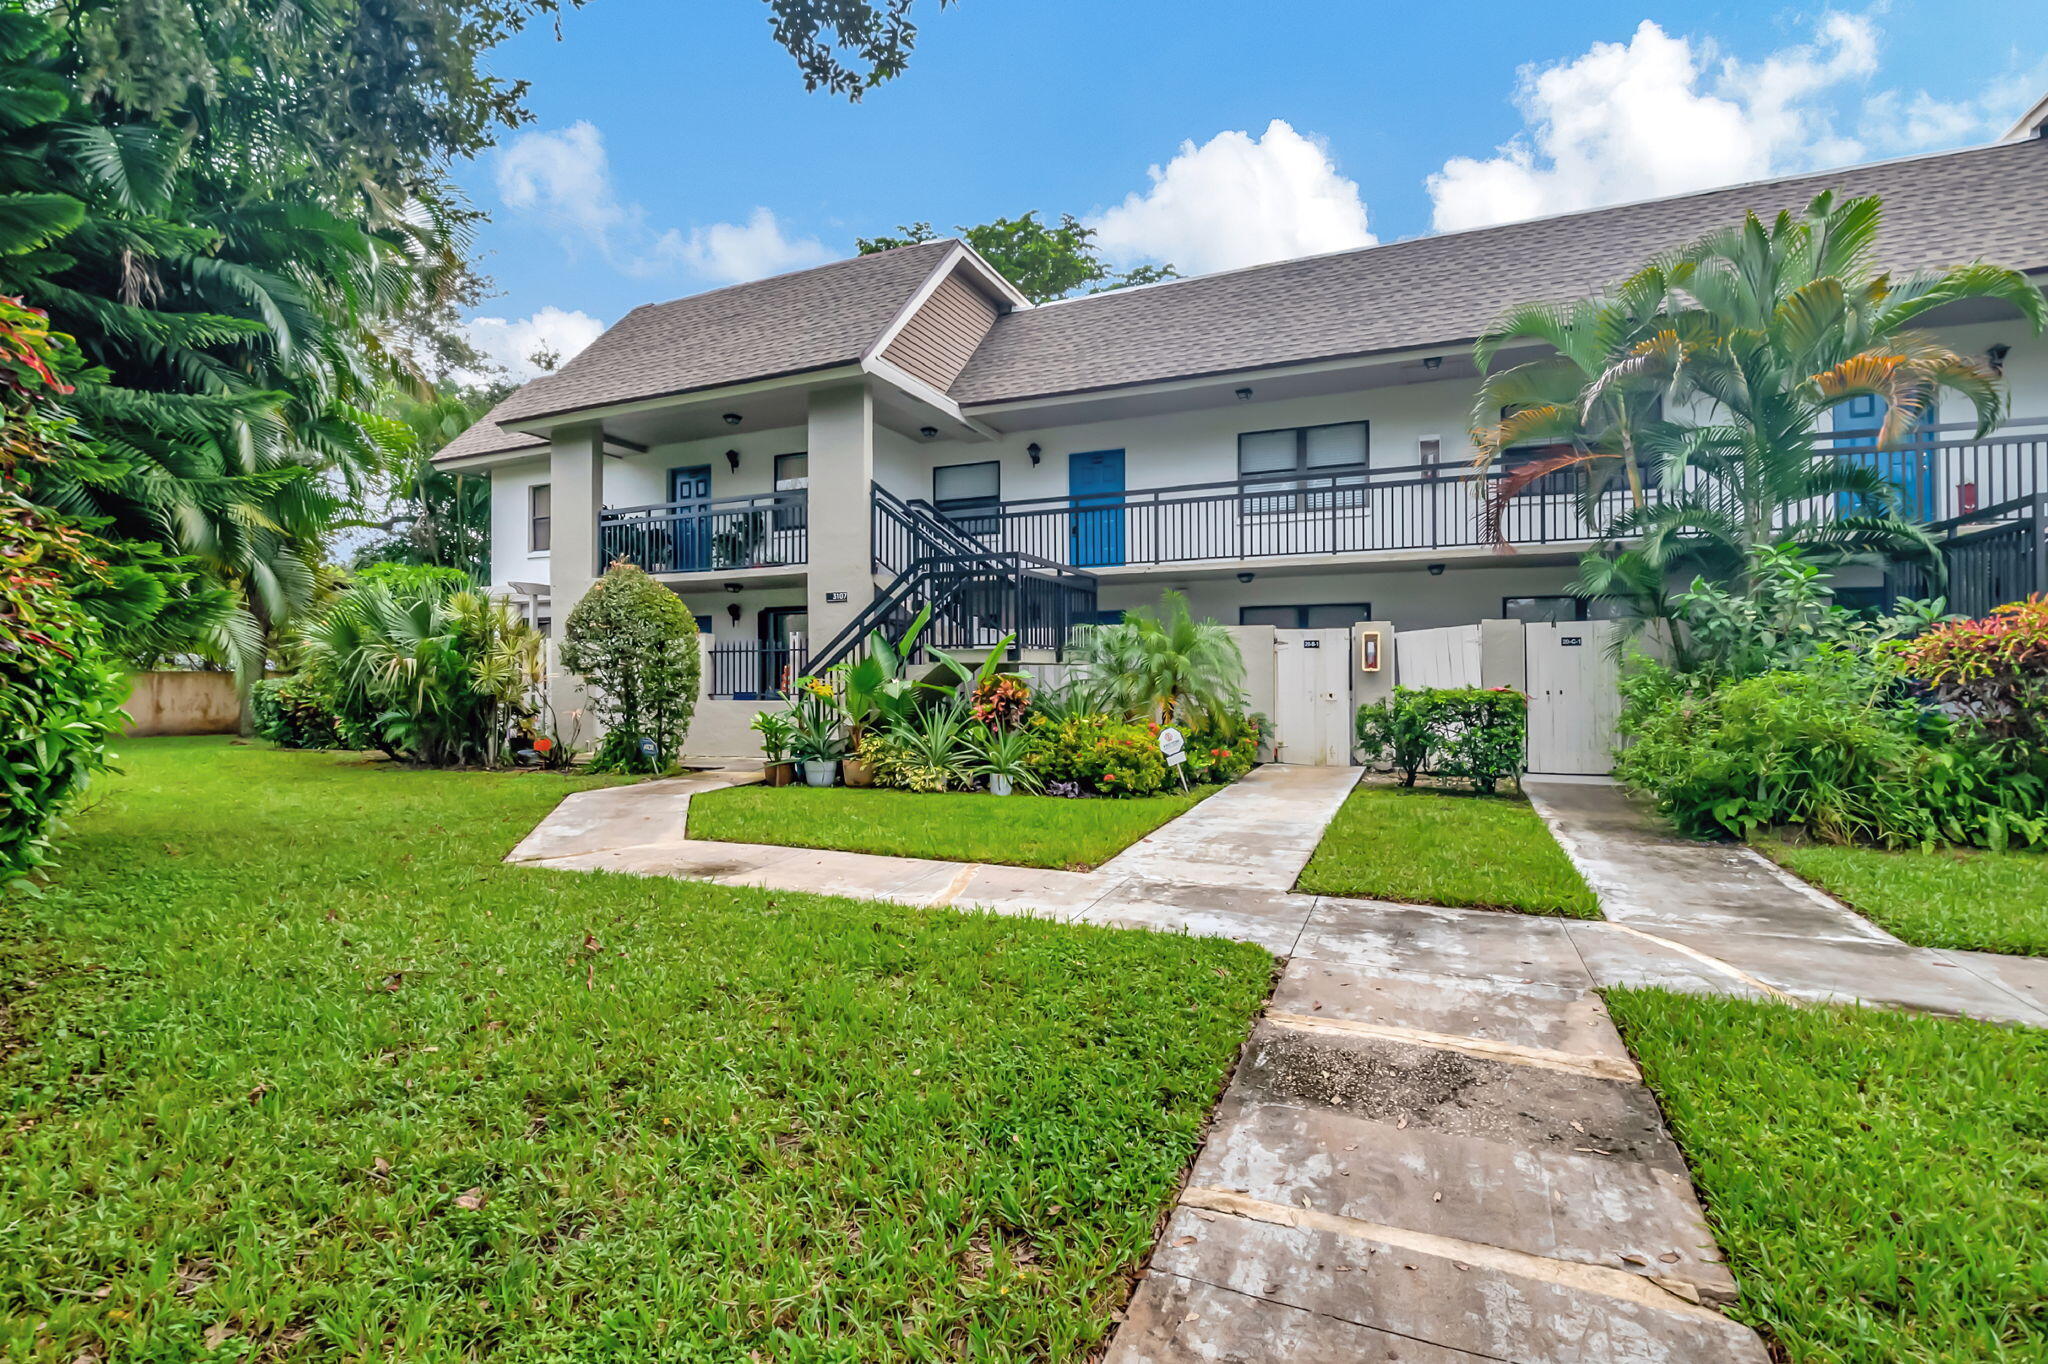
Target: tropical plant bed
x,y
1444,847
1978,901
955,826
1876,1179
298,1069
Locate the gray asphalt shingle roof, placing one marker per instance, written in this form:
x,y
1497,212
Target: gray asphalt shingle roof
x,y
1989,203
486,437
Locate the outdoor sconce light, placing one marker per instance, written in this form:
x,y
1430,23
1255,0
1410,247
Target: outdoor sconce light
x,y
1996,357
732,460
735,587
1246,577
1436,570
1035,453
1433,362
1244,395
928,432
732,419
732,612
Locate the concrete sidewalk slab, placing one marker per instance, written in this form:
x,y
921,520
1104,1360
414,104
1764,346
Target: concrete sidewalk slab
x,y
1255,834
1562,1019
1176,1320
1644,874
1478,1300
1434,944
1559,1205
1272,919
2025,978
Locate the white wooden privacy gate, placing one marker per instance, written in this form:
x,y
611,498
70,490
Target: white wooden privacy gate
x,y
1312,697
1567,668
1574,696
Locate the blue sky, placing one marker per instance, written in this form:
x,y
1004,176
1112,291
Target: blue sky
x,y
674,148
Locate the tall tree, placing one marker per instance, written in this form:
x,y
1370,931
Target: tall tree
x,y
847,47
1045,262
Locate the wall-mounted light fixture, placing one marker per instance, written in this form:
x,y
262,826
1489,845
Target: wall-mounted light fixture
x,y
732,460
732,612
1436,570
1244,395
1433,362
1246,577
928,432
1035,453
732,419
1995,356
735,587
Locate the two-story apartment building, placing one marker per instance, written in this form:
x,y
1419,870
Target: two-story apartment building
x,y
1287,443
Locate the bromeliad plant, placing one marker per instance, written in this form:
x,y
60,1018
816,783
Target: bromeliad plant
x,y
817,723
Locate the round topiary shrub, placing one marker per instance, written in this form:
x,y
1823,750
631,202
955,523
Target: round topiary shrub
x,y
635,645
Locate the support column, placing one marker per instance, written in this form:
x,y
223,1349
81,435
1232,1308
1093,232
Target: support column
x,y
842,472
576,495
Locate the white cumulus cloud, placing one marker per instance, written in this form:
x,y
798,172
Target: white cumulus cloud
x,y
732,252
514,341
1238,200
1660,115
564,179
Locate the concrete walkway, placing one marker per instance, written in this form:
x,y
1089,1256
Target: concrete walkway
x,y
1721,918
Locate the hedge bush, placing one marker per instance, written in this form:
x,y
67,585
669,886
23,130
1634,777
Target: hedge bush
x,y
60,691
1475,734
294,712
1836,748
1099,754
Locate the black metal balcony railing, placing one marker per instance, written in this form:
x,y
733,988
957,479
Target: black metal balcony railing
x,y
1357,510
714,535
750,671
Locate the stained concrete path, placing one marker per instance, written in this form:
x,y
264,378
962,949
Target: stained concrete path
x,y
1721,918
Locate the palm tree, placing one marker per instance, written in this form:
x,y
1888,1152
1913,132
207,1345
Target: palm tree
x,y
1164,665
1761,331
1542,401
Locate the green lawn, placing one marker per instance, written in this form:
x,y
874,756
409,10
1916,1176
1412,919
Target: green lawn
x,y
1019,830
1989,902
1446,848
1879,1181
293,1066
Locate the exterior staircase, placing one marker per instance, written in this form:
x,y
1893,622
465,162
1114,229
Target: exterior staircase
x,y
977,595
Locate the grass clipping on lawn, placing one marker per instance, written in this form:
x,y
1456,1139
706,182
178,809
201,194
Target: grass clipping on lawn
x,y
959,826
1434,847
1879,1181
299,1069
1961,898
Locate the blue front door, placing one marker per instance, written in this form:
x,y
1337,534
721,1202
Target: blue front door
x,y
1908,468
690,489
1095,482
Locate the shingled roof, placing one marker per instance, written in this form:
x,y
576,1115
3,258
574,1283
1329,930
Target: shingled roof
x,y
1990,203
787,324
486,437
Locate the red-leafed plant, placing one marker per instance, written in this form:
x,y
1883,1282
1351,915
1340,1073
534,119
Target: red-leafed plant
x,y
1994,672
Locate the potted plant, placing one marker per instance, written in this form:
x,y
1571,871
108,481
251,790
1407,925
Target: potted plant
x,y
816,741
775,730
999,755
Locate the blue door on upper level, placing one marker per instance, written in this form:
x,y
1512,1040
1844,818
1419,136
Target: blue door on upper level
x,y
1095,482
1909,468
690,489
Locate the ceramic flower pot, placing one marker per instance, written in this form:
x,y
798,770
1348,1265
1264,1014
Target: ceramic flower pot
x,y
778,773
999,786
857,772
821,773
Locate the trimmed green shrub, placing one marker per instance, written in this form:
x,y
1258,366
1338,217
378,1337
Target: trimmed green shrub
x,y
1221,753
293,712
60,691
636,645
1106,756
1835,748
1475,734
